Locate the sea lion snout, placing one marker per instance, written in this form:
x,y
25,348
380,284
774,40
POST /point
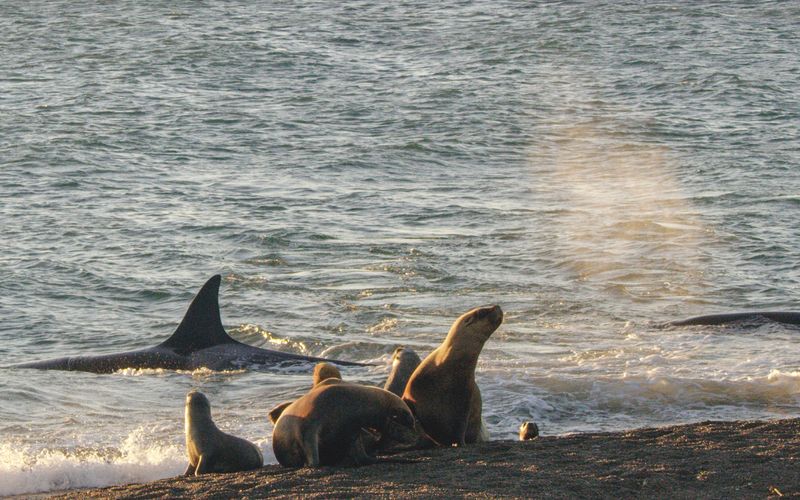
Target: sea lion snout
x,y
401,426
491,314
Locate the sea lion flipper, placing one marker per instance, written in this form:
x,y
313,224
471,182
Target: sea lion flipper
x,y
357,454
275,413
203,465
484,435
258,457
311,448
189,470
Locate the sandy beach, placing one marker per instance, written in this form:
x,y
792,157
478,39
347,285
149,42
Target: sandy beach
x,y
739,459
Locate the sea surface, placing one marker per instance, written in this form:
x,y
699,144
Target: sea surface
x,y
361,173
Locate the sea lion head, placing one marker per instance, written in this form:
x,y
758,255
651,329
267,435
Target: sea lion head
x,y
400,422
323,371
198,410
196,400
528,430
402,353
478,323
404,362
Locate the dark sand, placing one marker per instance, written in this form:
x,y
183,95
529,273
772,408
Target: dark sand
x,y
706,460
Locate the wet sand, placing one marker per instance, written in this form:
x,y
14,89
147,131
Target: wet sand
x,y
741,459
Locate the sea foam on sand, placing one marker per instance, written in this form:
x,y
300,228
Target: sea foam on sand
x,y
136,459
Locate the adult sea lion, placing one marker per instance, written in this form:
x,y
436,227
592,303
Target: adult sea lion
x,y
211,450
404,362
442,391
332,424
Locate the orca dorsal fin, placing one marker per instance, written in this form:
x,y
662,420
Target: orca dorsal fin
x,y
201,326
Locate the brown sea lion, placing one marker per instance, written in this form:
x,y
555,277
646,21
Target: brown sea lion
x,y
528,431
211,450
328,425
442,391
404,362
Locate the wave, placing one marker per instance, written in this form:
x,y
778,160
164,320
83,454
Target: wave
x,y
25,469
589,402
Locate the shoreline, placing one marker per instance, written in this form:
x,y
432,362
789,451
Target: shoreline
x,y
709,459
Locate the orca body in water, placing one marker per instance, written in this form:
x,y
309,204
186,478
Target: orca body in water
x,y
787,317
200,341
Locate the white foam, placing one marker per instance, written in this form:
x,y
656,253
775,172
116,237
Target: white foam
x,y
651,393
197,373
27,470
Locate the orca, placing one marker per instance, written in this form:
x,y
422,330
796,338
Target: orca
x,y
787,317
200,341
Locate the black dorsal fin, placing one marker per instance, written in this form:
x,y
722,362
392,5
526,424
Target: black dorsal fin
x,y
201,326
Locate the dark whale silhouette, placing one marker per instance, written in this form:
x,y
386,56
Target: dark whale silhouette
x,y
199,342
787,317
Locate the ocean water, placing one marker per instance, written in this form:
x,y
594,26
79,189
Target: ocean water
x,y
361,173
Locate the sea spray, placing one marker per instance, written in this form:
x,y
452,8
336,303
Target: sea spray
x,y
26,469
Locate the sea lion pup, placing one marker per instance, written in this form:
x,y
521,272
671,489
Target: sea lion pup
x,y
404,362
323,372
211,450
327,426
528,431
442,391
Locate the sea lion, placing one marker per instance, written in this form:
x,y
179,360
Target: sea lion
x,y
442,391
332,424
404,362
211,450
323,372
528,431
